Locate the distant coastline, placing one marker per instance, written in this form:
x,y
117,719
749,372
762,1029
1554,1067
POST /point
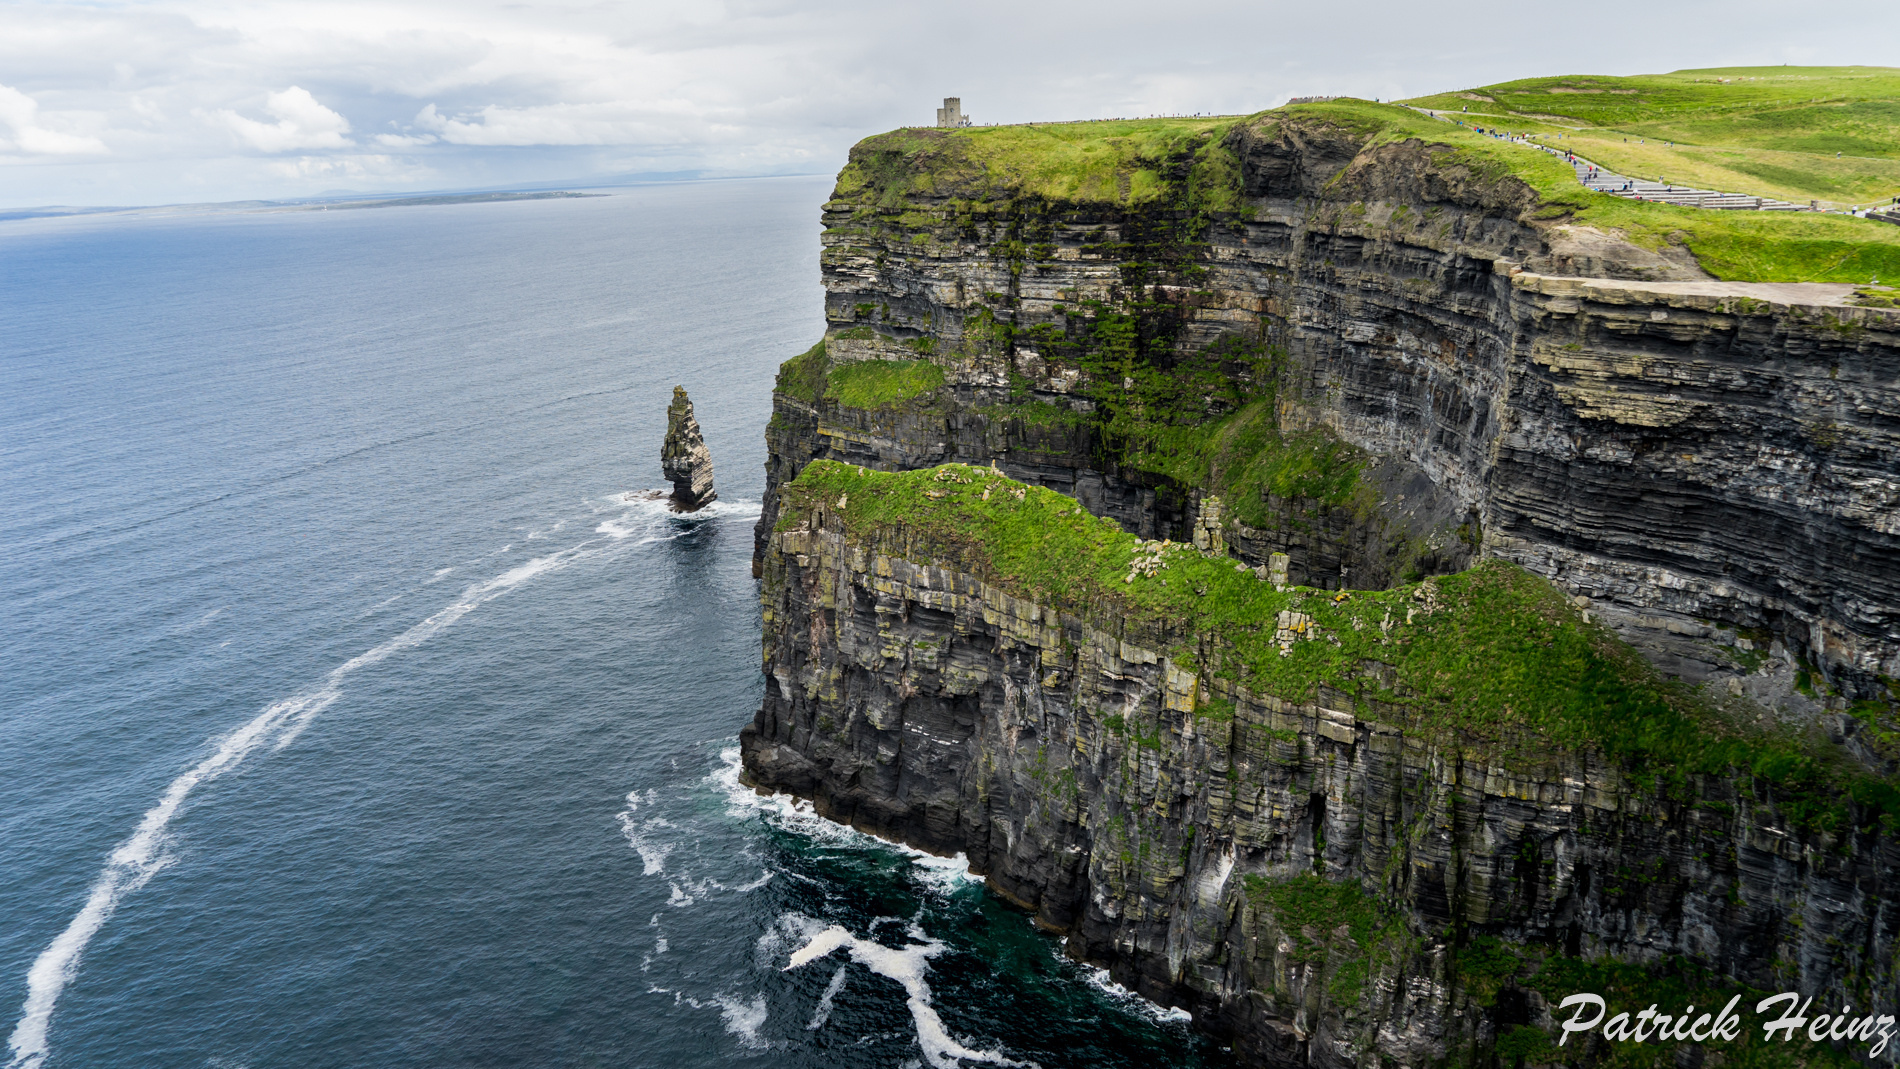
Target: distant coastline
x,y
447,198
62,211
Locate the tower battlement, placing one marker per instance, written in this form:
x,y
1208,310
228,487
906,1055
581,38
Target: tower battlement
x,y
951,114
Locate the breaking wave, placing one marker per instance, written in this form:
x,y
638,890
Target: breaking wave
x,y
906,965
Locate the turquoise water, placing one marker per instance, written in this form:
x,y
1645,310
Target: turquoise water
x,y
352,715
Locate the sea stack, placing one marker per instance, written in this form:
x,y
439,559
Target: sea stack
x,y
684,458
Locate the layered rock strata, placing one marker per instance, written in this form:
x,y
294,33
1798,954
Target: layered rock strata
x,y
684,458
1348,363
1715,466
1160,815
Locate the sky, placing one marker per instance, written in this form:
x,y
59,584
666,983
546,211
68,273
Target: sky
x,y
188,101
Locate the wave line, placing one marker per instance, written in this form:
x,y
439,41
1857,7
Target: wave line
x,y
140,857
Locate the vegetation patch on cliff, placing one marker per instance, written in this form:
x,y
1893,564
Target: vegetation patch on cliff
x,y
812,378
876,383
1244,457
1334,922
1207,419
1492,658
805,377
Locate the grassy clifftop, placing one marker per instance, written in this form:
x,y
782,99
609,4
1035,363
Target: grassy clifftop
x,y
1192,167
1123,162
1798,133
1493,656
1738,246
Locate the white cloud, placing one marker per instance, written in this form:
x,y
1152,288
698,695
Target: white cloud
x,y
301,123
611,123
352,166
190,94
20,114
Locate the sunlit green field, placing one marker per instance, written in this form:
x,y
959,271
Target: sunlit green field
x,y
1795,133
1762,131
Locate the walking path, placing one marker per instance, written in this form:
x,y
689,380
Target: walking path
x,y
1594,177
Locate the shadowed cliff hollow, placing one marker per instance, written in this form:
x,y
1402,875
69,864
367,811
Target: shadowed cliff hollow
x,y
1380,825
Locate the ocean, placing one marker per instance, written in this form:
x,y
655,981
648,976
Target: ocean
x,y
354,714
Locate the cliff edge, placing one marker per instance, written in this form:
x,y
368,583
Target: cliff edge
x,y
1341,828
1328,377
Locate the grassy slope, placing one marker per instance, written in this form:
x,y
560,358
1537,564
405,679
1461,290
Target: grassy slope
x,y
1772,131
1126,163
876,383
1741,246
1493,656
1110,162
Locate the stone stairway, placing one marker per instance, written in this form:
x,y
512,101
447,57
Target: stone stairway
x,y
1594,177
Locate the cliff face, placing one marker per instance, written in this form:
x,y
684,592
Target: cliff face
x,y
1715,465
1383,361
1307,879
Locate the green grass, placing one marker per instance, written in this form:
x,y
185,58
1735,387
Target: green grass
x,y
804,377
1335,922
811,377
1112,162
1243,456
876,383
1208,421
1742,246
1492,659
929,183
1037,414
1772,131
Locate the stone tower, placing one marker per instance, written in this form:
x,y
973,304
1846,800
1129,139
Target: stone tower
x,y
951,114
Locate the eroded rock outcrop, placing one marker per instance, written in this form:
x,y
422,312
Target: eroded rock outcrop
x,y
684,458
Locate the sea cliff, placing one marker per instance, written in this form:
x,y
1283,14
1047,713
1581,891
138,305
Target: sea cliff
x,y
1390,359
1342,829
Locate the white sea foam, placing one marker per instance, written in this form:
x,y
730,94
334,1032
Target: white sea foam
x,y
942,874
945,874
907,965
1129,1000
764,878
642,835
647,835
140,857
648,520
743,1019
823,1013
